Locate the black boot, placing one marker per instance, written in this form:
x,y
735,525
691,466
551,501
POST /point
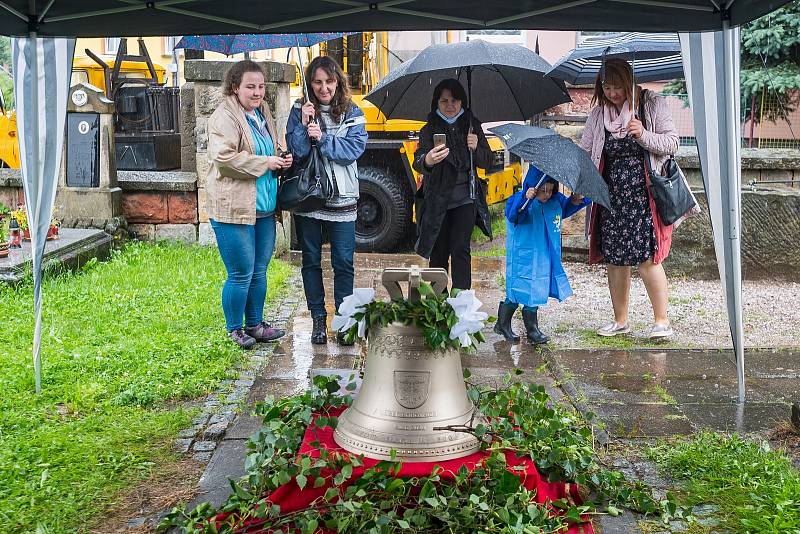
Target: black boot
x,y
319,333
531,321
341,339
503,325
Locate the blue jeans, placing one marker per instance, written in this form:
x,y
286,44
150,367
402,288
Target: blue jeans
x,y
508,302
342,236
245,250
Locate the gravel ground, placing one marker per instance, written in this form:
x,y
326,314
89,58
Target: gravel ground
x,y
696,308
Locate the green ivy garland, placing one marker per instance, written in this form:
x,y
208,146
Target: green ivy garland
x,y
521,417
432,314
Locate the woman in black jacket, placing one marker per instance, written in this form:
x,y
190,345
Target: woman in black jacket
x,y
451,198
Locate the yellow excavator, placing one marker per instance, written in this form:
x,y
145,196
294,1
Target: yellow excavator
x,y
9,148
387,180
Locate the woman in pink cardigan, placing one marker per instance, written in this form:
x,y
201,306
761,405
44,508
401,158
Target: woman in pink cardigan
x,y
631,233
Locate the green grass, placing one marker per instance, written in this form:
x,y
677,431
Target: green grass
x,y
495,251
122,341
500,280
755,488
665,397
498,220
590,339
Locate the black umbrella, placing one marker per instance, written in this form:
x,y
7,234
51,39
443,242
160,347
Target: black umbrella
x,y
556,156
504,82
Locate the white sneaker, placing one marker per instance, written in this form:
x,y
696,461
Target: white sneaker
x,y
612,329
660,331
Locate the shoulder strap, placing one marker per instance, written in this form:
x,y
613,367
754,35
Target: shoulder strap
x,y
648,169
642,117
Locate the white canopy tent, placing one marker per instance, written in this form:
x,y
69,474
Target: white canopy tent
x,y
715,111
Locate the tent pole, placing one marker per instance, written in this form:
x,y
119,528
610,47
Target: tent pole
x,y
13,11
41,16
734,191
661,3
133,5
528,14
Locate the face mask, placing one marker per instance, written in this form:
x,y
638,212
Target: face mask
x,y
450,120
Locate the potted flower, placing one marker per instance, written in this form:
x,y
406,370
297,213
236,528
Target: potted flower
x,y
22,220
4,235
52,232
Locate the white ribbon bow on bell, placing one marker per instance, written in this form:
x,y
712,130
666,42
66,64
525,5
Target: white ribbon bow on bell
x,y
350,306
470,319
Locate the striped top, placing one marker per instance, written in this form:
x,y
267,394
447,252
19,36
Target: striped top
x,y
337,209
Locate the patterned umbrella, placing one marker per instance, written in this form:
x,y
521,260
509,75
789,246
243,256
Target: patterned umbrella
x,y
654,56
235,44
556,156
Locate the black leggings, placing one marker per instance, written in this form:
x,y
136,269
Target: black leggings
x,y
452,244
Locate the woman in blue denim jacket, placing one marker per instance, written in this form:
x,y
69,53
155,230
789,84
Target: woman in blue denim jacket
x,y
330,119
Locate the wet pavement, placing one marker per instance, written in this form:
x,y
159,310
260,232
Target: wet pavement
x,y
637,392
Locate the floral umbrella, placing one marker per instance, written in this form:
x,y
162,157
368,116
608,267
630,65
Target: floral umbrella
x,y
250,42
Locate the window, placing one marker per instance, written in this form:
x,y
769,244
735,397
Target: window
x,y
169,44
581,36
111,44
496,36
79,76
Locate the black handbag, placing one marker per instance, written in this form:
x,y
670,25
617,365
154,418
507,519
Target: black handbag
x,y
669,188
307,187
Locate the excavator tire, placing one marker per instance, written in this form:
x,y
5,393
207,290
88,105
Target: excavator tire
x,y
384,210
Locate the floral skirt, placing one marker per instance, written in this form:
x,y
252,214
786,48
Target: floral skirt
x,y
627,235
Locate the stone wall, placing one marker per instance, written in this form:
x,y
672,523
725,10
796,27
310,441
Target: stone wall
x,y
770,239
693,251
11,188
160,205
758,164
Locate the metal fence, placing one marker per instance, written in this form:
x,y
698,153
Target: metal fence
x,y
762,133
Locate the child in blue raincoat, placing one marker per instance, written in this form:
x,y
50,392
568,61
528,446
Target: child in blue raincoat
x,y
533,252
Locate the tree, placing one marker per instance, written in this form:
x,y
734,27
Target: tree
x,y
6,84
770,65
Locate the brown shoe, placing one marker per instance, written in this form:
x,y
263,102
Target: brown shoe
x,y
263,332
242,339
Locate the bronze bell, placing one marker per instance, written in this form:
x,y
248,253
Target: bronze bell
x,y
408,390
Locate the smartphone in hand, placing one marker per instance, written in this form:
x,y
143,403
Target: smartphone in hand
x,y
439,139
